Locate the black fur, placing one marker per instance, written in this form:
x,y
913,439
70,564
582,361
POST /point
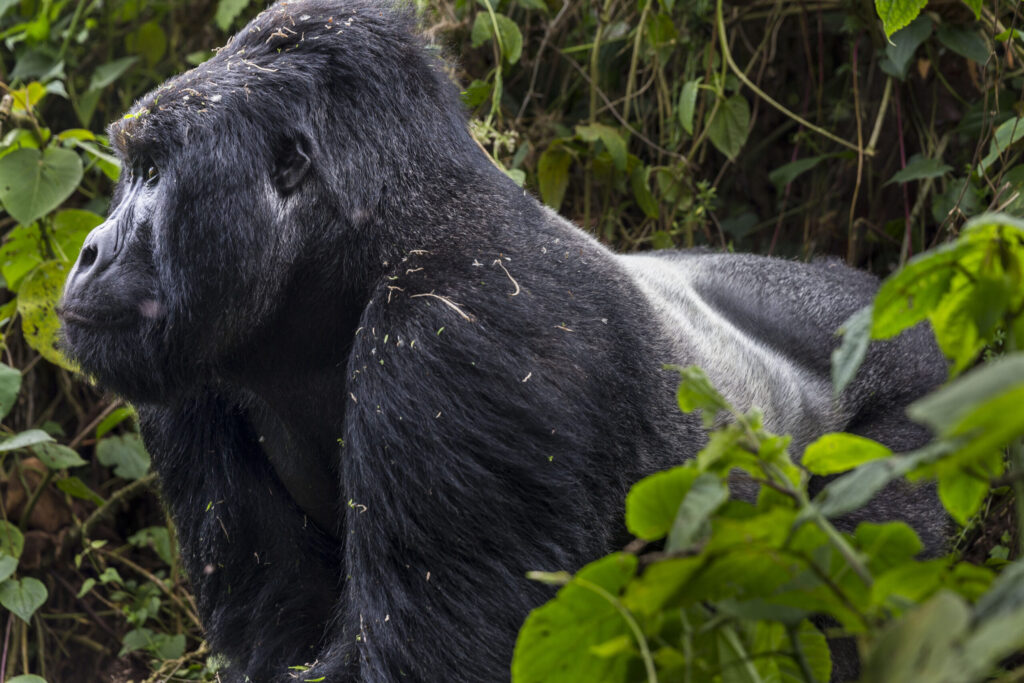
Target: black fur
x,y
380,382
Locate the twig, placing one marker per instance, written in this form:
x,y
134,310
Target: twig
x,y
465,316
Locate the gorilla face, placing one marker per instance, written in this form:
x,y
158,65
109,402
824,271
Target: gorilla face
x,y
191,257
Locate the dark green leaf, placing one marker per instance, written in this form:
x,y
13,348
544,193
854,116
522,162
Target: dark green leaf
x,y
730,125
553,174
919,168
108,73
904,44
57,457
12,542
787,173
7,565
76,488
639,182
964,42
609,137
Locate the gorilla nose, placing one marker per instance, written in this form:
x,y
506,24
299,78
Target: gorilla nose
x,y
98,251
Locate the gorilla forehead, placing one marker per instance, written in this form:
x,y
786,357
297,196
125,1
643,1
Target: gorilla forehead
x,y
309,47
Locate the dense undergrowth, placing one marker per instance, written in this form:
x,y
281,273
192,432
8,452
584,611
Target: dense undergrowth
x,y
789,128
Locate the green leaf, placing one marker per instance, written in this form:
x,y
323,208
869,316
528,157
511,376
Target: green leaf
x,y
149,40
33,183
840,452
1006,134
730,125
922,645
22,596
849,355
909,295
975,6
854,489
76,488
905,42
787,173
887,545
961,494
7,565
228,11
919,168
964,42
12,542
510,38
706,494
895,14
609,137
981,409
57,457
553,174
557,640
107,73
10,385
639,182
26,678
653,502
477,93
115,418
688,103
156,537
38,295
125,454
482,31
696,393
25,439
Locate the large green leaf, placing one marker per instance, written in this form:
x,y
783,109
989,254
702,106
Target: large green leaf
x,y
895,14
653,502
839,452
125,454
33,183
227,11
39,294
559,639
22,597
919,168
730,125
30,437
905,42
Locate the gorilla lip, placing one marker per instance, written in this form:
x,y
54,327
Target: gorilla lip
x,y
75,318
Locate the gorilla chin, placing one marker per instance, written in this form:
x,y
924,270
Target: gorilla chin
x,y
380,383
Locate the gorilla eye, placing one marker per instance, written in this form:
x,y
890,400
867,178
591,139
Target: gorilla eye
x,y
152,174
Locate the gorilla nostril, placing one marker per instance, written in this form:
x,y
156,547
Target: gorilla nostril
x,y
88,256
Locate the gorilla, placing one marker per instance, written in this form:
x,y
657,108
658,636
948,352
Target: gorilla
x,y
380,382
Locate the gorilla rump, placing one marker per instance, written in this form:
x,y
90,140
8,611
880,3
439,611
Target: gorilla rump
x,y
380,382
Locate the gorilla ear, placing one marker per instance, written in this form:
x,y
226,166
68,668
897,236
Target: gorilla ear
x,y
291,165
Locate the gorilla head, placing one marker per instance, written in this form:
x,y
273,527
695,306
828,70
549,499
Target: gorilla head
x,y
287,159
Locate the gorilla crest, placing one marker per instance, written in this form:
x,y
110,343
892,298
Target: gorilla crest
x,y
380,382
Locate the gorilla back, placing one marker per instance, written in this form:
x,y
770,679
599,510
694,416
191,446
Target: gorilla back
x,y
380,382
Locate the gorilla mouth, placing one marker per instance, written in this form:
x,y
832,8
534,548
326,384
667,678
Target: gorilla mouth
x,y
92,319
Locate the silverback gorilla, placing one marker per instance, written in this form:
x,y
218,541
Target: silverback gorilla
x,y
380,382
